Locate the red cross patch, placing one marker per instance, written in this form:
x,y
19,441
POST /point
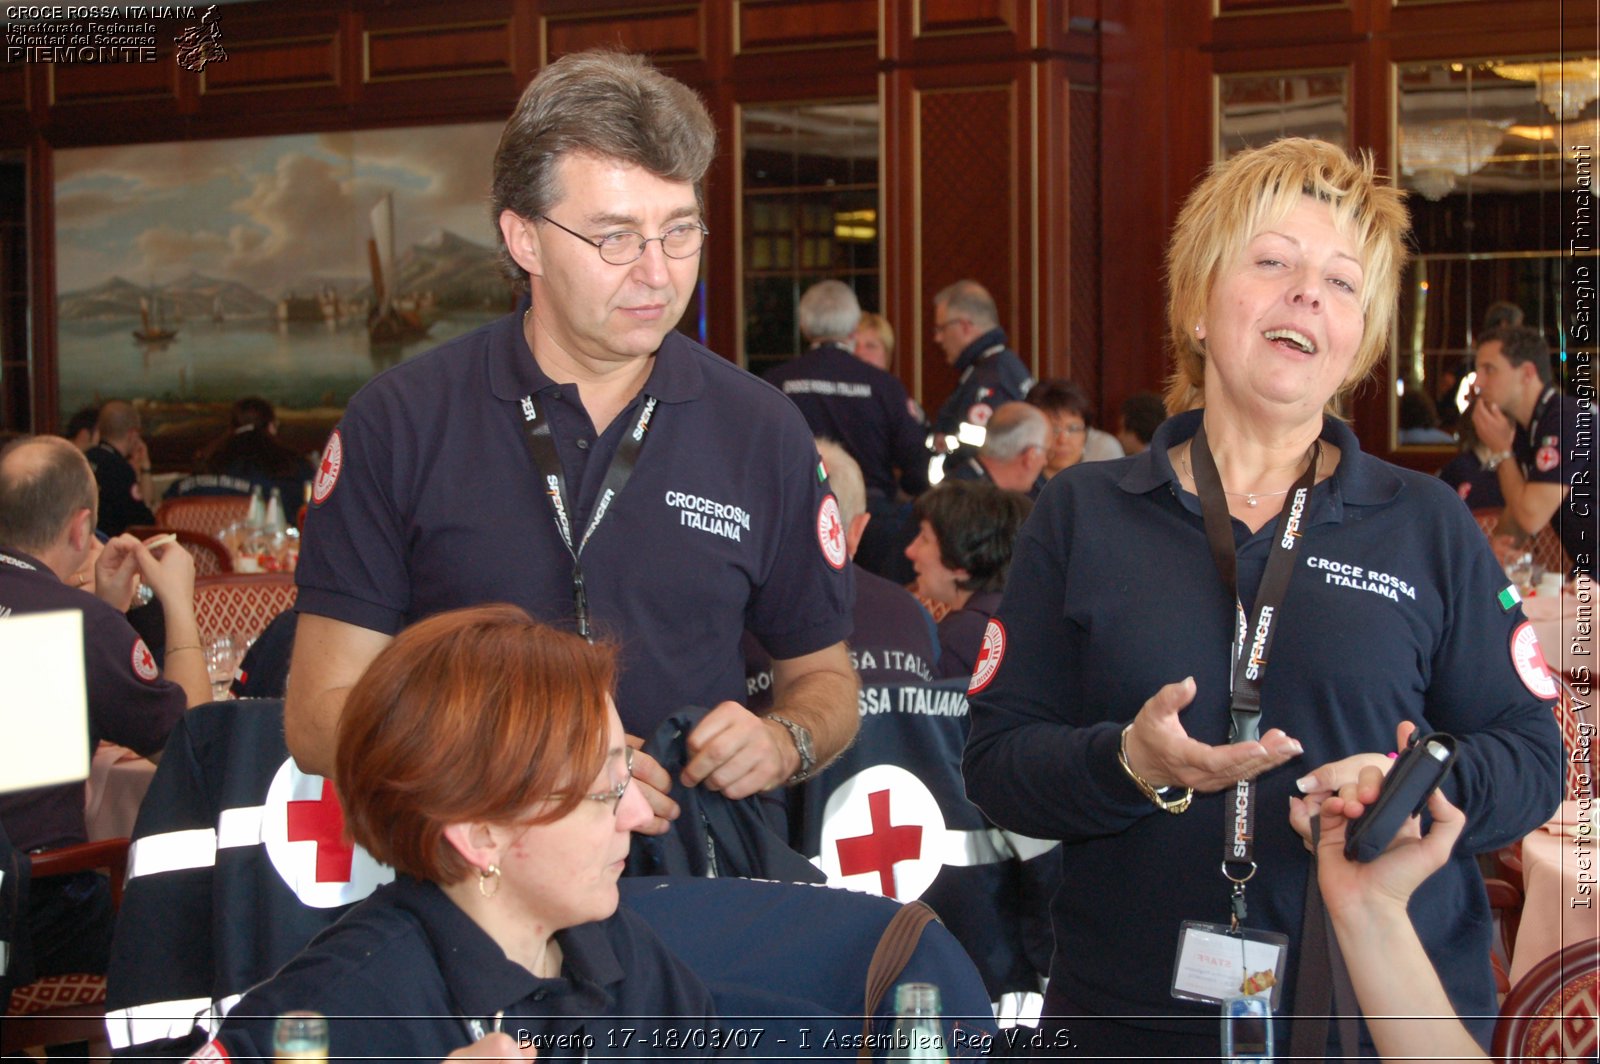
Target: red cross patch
x,y
980,413
302,828
212,1050
144,662
1547,458
1528,659
328,469
989,656
830,532
882,832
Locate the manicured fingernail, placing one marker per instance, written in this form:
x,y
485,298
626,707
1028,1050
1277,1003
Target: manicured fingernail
x,y
1307,784
1393,756
1295,748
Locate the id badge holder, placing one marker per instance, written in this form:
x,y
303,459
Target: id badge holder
x,y
1214,963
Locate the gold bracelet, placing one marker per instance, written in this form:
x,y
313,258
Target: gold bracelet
x,y
186,646
1166,805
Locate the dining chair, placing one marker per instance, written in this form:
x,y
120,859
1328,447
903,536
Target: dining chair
x,y
202,513
210,556
240,603
61,1009
1553,1013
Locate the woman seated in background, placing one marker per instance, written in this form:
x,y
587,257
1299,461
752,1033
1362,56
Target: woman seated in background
x,y
875,341
248,457
962,554
1073,437
482,757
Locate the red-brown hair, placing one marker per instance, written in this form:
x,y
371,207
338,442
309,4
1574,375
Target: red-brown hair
x,y
472,715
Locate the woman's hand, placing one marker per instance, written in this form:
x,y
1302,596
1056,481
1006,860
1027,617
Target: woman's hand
x,y
1335,776
496,1046
655,783
1163,753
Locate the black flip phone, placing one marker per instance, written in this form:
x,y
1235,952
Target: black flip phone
x,y
1421,768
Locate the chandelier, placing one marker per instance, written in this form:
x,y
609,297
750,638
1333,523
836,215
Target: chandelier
x,y
1565,87
1435,155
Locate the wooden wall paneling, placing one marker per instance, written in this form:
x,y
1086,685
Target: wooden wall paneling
x,y
1484,21
42,286
803,25
958,32
968,212
666,32
966,17
1288,28
720,273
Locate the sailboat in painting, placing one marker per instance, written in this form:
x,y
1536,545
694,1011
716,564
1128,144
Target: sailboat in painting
x,y
388,323
151,329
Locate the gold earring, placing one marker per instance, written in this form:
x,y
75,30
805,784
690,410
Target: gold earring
x,y
484,876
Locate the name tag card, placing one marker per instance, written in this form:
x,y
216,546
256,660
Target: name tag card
x,y
1214,964
44,707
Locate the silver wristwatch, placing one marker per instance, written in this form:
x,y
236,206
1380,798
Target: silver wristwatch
x,y
802,743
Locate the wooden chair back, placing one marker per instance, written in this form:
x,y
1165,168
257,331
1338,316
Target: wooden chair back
x,y
240,603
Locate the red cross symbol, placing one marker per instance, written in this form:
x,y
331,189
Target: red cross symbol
x,y
326,468
322,822
984,656
879,851
832,531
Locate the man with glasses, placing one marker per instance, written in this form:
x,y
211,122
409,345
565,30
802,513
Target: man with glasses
x,y
966,325
1013,454
585,461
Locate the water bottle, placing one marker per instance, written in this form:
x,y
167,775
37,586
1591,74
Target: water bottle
x,y
256,515
301,1035
918,1030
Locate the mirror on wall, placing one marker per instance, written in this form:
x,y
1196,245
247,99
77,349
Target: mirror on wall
x,y
1255,109
809,210
1487,148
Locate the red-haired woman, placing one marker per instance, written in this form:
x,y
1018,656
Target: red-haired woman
x,y
481,755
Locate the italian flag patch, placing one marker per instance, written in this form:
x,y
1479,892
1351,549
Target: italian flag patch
x,y
1509,598
822,472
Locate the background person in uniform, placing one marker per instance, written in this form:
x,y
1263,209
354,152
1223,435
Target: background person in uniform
x,y
966,326
893,640
1015,451
962,554
1478,486
844,399
1119,625
47,517
1520,415
1142,413
81,427
874,341
440,487
481,756
249,456
121,464
1071,423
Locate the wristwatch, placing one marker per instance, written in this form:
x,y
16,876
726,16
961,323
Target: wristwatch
x,y
802,744
1494,460
1158,795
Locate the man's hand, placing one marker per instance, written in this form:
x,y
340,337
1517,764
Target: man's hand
x,y
116,571
738,753
169,571
1495,430
1161,751
655,783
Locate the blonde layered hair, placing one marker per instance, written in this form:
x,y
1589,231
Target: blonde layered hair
x,y
1251,192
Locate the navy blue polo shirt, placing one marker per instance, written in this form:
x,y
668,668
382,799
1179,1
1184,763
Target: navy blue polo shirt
x,y
121,504
407,975
1392,614
1558,448
129,701
961,634
991,375
893,641
862,408
428,500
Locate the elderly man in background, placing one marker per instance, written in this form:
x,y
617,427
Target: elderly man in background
x,y
583,460
966,325
121,464
1013,453
845,399
47,542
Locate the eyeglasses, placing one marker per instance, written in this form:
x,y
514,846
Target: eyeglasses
x,y
1071,430
941,326
620,249
614,795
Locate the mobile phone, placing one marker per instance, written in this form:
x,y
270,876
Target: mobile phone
x,y
1419,770
1246,1029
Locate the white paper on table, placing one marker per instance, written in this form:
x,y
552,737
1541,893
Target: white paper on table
x,y
44,707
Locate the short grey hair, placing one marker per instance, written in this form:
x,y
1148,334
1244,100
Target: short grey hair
x,y
1012,429
603,103
829,310
844,477
970,299
44,481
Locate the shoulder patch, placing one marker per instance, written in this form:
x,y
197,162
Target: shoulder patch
x,y
144,662
979,414
1528,659
830,532
1464,488
212,1050
989,656
328,469
1547,459
1509,597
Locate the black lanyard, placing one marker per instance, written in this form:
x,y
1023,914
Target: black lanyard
x,y
542,448
1252,644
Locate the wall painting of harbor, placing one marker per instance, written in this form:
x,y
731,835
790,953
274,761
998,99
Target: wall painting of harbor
x,y
291,267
